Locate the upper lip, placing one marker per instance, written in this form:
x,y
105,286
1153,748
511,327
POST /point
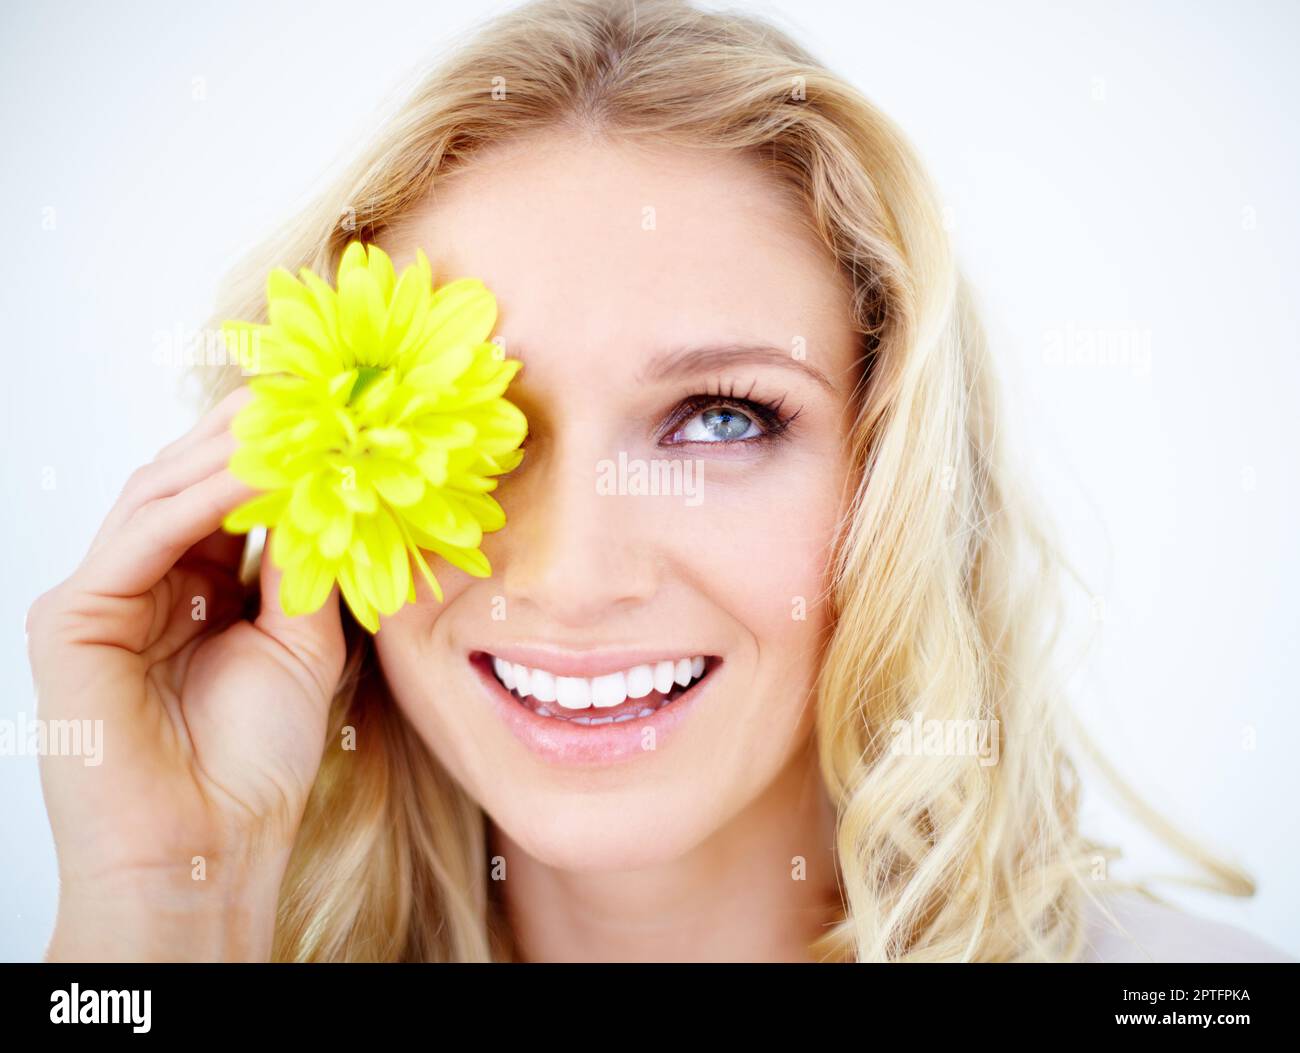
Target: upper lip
x,y
587,663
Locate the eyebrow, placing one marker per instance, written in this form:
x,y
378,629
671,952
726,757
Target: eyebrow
x,y
676,363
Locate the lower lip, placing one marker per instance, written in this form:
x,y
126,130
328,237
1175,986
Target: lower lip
x,y
562,742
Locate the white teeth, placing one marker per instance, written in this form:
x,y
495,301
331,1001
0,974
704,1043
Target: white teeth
x,y
641,680
683,676
573,692
543,685
505,672
600,692
610,690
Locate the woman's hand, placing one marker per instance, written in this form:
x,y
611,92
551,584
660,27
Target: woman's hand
x,y
210,726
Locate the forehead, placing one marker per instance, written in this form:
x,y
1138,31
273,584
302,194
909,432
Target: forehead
x,y
596,239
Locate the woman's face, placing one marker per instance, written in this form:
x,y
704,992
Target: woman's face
x,y
688,358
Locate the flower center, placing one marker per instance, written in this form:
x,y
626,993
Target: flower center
x,y
366,375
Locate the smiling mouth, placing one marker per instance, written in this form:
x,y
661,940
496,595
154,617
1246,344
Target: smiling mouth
x,y
615,698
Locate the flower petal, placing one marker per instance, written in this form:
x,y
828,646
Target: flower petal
x,y
461,313
361,608
361,317
263,510
306,587
381,270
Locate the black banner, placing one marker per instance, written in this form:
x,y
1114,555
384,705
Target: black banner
x,y
148,1002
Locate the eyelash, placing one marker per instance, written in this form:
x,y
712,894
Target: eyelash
x,y
766,413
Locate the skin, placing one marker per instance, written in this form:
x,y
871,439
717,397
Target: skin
x,y
174,847
643,859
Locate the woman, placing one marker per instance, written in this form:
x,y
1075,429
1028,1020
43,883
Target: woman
x,y
707,249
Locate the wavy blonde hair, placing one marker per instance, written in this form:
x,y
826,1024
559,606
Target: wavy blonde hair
x,y
944,588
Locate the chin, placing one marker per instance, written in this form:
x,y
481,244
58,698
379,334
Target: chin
x,y
628,830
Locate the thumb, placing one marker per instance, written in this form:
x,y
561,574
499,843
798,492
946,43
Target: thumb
x,y
315,639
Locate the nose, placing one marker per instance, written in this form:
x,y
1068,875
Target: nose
x,y
574,555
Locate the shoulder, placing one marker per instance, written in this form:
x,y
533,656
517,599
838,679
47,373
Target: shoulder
x,y
1145,929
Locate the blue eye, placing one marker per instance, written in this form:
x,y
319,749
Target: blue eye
x,y
720,424
726,419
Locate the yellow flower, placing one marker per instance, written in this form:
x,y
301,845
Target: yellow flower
x,y
376,427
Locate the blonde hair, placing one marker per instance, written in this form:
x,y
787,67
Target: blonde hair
x,y
944,589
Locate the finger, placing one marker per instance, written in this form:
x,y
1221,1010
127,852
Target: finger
x,y
137,554
168,472
164,478
215,421
219,549
316,639
198,603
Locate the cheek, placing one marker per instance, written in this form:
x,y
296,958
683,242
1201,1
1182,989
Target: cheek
x,y
759,546
413,652
414,666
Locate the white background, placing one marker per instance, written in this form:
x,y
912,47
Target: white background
x,y
1121,171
